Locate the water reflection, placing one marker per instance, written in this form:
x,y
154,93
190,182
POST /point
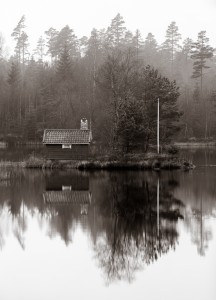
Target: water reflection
x,y
200,234
67,199
142,225
131,218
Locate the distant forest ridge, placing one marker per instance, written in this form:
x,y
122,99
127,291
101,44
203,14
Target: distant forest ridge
x,y
113,78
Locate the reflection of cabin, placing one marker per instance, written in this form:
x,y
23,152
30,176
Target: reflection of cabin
x,y
82,198
68,144
62,180
64,189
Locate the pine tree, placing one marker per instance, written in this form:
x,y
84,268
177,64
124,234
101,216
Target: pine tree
x,y
129,39
14,74
137,43
150,50
40,49
23,45
131,125
64,70
149,87
52,35
94,55
18,31
187,47
65,88
14,105
171,44
116,32
67,37
200,52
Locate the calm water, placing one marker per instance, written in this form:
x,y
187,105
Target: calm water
x,y
118,235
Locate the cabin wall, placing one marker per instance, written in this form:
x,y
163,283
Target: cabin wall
x,y
77,152
78,182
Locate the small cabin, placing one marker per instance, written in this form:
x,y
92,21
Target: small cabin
x,y
68,144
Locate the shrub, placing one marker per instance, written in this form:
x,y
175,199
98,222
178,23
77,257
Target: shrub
x,y
156,164
34,162
172,149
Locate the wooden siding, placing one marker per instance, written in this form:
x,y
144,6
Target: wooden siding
x,y
77,152
57,180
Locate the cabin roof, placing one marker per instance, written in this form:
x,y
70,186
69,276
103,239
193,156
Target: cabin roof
x,y
66,136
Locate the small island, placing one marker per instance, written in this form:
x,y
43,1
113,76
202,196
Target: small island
x,y
142,161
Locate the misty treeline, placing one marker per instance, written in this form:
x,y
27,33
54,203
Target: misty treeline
x,y
114,78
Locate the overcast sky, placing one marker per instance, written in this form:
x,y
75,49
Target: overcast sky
x,y
82,16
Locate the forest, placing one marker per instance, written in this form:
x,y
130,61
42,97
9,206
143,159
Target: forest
x,y
114,78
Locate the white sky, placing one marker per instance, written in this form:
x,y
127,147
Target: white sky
x,y
82,16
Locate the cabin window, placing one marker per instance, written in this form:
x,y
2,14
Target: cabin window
x,y
66,188
66,146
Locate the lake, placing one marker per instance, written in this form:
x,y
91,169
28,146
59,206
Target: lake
x,y
109,235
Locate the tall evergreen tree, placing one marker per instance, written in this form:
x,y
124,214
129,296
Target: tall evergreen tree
x,y
16,34
150,50
200,52
14,74
116,31
187,47
129,40
52,35
171,44
23,44
131,125
64,65
138,43
67,37
14,105
149,87
94,56
66,88
40,49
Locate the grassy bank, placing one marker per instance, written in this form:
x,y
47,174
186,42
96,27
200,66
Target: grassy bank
x,y
155,163
195,144
147,161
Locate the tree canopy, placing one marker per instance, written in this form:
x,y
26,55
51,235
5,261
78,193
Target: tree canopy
x,y
113,77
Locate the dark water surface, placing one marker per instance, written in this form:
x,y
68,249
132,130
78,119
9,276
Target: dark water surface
x,y
109,235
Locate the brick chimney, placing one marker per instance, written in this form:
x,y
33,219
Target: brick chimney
x,y
84,124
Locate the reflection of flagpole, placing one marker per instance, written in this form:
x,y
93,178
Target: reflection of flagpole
x,y
158,139
158,208
201,227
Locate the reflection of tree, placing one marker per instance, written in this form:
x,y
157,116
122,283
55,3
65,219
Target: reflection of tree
x,y
127,226
24,194
199,189
20,226
2,239
199,233
131,237
67,196
61,222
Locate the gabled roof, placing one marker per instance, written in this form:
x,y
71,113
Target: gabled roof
x,y
67,136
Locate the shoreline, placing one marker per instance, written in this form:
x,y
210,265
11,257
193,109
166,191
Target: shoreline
x,y
195,144
146,162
